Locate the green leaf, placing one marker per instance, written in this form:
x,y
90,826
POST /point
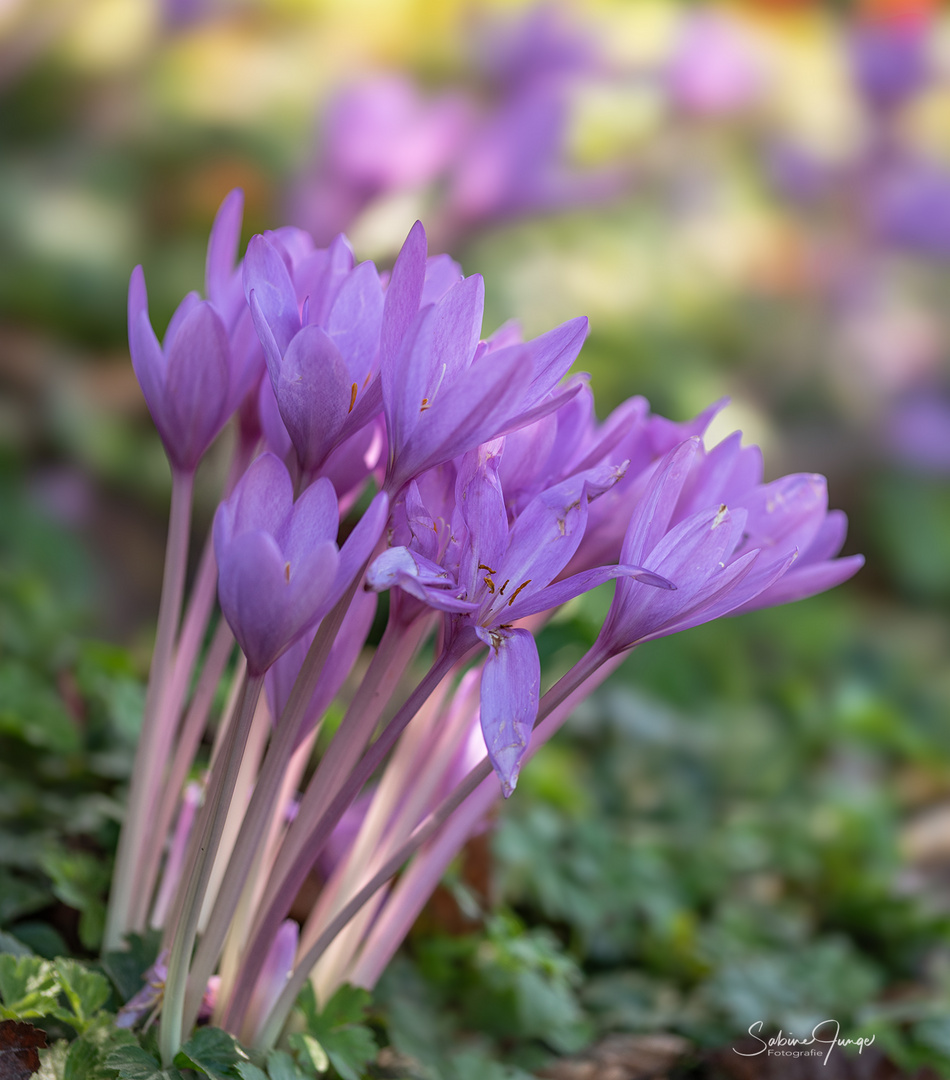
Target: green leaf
x,y
32,711
281,1066
310,1053
348,1044
348,1005
86,991
13,946
80,880
133,1063
212,1052
247,1070
127,967
19,897
88,1053
28,987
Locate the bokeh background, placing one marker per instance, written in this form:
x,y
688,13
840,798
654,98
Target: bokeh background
x,y
749,200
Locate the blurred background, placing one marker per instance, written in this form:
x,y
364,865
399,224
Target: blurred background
x,y
751,821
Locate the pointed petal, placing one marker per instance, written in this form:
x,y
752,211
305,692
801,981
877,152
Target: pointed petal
x,y
655,508
359,545
148,359
442,272
403,297
266,275
355,319
562,591
510,688
223,246
552,355
469,412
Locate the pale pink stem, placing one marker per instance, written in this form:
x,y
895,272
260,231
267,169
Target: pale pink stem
x,y
148,768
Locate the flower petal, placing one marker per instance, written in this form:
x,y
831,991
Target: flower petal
x,y
510,690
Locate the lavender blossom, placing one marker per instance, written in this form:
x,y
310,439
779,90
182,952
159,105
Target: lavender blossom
x,y
280,569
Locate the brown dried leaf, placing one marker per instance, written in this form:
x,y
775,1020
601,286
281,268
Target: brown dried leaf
x,y
20,1044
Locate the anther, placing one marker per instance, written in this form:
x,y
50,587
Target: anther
x,y
523,585
287,573
353,391
491,585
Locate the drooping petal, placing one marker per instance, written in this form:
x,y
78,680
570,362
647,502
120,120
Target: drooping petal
x,y
510,689
420,577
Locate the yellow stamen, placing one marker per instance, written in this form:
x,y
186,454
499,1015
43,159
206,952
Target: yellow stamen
x,y
523,585
353,390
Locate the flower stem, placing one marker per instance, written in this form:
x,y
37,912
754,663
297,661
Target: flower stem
x,y
148,768
262,805
312,841
211,825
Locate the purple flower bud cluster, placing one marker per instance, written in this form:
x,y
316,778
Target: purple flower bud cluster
x,y
388,444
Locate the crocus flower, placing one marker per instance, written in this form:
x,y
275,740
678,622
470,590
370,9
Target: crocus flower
x,y
721,558
186,378
321,349
443,390
493,575
279,567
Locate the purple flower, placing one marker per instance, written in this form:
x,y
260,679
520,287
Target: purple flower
x,y
445,392
776,544
186,378
279,569
379,136
491,575
318,318
210,359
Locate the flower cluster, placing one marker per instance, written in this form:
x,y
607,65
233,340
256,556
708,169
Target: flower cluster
x,y
386,445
